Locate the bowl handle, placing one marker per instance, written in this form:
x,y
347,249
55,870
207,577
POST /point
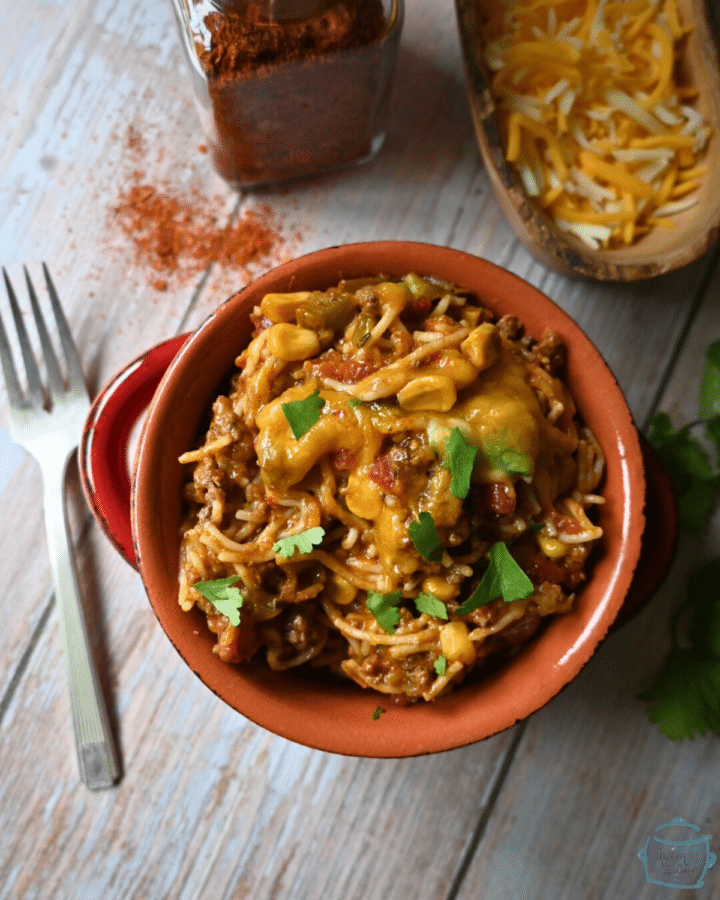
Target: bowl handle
x,y
103,454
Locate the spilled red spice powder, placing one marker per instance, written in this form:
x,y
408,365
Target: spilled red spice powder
x,y
178,234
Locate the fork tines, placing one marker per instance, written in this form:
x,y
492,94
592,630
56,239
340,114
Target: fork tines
x,y
35,390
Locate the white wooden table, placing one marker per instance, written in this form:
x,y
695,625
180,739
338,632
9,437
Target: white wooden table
x,y
210,805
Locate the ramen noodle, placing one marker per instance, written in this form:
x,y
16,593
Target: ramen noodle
x,y
397,486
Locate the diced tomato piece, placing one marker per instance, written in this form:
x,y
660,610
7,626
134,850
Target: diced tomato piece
x,y
497,497
383,473
565,523
537,567
347,371
237,644
343,460
422,306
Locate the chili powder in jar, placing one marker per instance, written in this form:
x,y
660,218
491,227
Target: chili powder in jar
x,y
290,88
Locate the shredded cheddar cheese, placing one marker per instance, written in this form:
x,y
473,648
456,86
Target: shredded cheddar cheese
x,y
601,135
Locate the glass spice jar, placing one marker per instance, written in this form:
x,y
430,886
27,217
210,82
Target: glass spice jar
x,y
290,88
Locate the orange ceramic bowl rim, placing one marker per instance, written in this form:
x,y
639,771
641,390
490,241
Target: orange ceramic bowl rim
x,y
339,718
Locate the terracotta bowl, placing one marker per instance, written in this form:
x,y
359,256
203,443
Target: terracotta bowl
x,y
662,250
303,708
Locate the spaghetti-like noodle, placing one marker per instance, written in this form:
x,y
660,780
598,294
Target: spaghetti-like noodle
x,y
395,370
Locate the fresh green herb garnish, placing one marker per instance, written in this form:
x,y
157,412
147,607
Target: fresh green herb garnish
x,y
355,402
685,699
695,479
461,459
226,599
428,603
378,712
709,406
503,577
300,543
683,457
301,415
384,608
425,538
440,665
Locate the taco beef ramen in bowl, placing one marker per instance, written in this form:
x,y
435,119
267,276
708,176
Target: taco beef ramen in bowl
x,y
388,500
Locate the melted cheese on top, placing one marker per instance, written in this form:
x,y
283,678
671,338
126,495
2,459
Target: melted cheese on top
x,y
499,412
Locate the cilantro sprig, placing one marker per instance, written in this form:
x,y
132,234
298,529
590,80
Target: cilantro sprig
x,y
460,460
301,415
503,578
685,698
226,599
425,538
431,606
695,477
303,542
385,608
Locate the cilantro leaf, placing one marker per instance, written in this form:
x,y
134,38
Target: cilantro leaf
x,y
709,405
690,470
696,505
301,415
703,593
226,599
302,542
461,459
685,698
428,603
712,430
425,538
440,665
378,712
384,608
503,577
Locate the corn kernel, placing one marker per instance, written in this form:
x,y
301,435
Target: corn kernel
x,y
455,643
291,343
363,498
439,587
482,346
552,547
282,307
433,392
339,590
457,367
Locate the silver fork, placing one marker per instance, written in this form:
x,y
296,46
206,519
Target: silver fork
x,y
51,437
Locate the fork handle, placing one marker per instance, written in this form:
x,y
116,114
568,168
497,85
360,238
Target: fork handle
x,y
96,753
